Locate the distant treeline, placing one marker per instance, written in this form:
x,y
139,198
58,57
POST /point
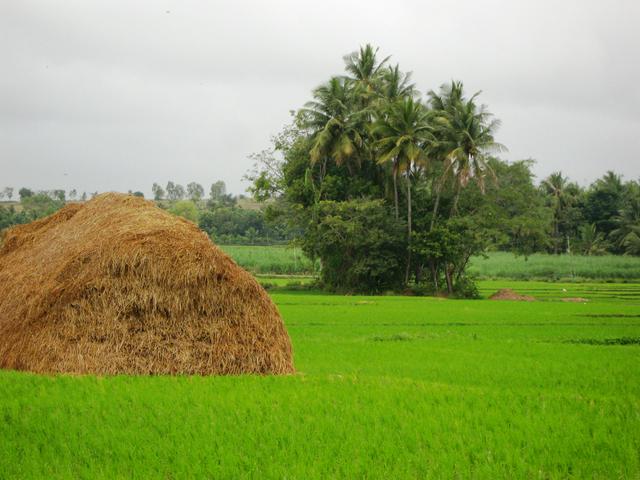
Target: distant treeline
x,y
228,219
602,218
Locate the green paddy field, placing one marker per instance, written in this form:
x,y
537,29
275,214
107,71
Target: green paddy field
x,y
286,260
386,387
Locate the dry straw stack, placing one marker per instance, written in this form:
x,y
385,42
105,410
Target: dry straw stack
x,y
118,286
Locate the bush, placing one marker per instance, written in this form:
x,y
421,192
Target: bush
x,y
465,287
186,209
360,244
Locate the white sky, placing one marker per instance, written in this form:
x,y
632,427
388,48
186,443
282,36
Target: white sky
x,y
118,94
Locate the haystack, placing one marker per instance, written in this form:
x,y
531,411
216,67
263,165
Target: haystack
x,y
508,294
119,286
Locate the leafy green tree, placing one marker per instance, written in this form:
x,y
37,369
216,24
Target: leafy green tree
x,y
8,193
59,195
359,243
604,200
509,215
590,241
175,191
626,233
158,192
563,197
195,191
24,193
448,248
266,177
233,225
217,191
186,209
511,210
9,217
40,205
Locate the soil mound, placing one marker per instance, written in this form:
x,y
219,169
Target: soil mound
x,y
508,294
575,299
119,286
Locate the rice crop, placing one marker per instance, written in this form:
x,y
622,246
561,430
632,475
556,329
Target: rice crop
x,y
386,387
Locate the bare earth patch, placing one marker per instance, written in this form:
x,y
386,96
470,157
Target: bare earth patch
x,y
508,294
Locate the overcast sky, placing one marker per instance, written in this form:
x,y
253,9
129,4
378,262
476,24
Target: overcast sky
x,y
116,95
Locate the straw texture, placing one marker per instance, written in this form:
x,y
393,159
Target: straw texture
x,y
119,286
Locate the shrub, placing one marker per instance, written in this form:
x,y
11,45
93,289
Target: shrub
x,y
186,209
465,287
360,244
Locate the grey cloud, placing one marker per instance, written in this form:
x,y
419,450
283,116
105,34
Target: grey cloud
x,y
119,94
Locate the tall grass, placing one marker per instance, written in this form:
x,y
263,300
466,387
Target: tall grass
x,y
274,259
387,387
556,267
291,261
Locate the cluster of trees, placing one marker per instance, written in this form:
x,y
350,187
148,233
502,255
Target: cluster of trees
x,y
194,192
73,195
604,218
32,206
228,224
220,215
393,190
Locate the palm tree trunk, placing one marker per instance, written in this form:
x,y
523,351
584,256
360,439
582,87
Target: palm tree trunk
x,y
395,191
436,205
406,275
456,197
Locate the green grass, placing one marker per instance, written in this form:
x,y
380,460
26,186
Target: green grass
x,y
286,260
275,259
606,292
387,387
556,267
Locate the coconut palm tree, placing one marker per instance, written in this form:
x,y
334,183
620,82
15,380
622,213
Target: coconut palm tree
x,y
402,134
447,98
440,102
396,84
366,71
335,123
591,241
627,231
555,186
465,132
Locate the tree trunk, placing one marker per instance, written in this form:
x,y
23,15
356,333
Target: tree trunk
x,y
447,274
395,190
456,197
435,206
406,275
434,274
